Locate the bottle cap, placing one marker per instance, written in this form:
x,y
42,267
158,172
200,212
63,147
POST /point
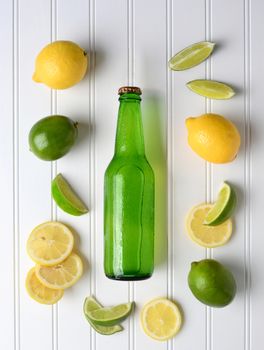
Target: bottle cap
x,y
129,89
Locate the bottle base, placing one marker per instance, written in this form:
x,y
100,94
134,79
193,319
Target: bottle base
x,y
129,277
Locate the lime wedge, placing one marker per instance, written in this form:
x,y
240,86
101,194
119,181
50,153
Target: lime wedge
x,y
211,89
90,304
110,316
66,198
204,235
191,56
223,207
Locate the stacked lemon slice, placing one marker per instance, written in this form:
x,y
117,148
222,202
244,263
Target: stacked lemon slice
x,y
57,267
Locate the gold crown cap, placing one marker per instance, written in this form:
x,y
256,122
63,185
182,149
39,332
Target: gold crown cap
x,y
129,89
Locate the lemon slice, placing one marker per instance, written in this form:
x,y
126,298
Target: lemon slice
x,y
161,319
50,243
90,304
63,275
191,56
211,89
206,236
66,198
39,292
223,207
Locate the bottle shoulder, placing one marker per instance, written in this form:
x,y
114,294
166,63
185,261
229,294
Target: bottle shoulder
x,y
138,162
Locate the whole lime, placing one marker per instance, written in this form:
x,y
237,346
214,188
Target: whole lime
x,y
212,283
52,137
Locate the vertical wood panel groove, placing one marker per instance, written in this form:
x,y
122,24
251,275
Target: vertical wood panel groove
x,y
90,163
208,165
133,40
53,165
212,319
92,154
170,154
16,231
247,172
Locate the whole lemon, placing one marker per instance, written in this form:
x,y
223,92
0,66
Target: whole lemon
x,y
60,65
213,137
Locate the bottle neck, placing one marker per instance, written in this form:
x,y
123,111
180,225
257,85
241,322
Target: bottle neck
x,y
129,135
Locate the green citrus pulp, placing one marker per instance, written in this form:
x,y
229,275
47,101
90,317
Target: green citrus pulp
x,y
211,89
66,198
90,304
191,56
223,207
110,316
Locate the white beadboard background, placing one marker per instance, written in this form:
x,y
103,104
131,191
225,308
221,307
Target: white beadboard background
x,y
130,42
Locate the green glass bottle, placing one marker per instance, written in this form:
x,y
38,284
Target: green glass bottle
x,y
129,197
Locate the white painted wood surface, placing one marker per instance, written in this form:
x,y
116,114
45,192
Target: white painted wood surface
x,y
130,42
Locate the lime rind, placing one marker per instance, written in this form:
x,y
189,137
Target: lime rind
x,y
191,56
212,283
211,89
91,304
66,198
104,330
223,207
211,240
110,316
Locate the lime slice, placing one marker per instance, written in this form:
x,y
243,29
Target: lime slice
x,y
66,198
223,207
211,89
110,316
191,56
90,304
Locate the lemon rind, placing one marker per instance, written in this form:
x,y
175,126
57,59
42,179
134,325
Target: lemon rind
x,y
189,230
35,297
151,334
51,262
65,285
